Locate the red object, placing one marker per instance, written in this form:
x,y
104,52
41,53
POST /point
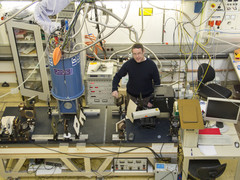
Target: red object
x,y
215,131
218,23
211,23
213,5
56,39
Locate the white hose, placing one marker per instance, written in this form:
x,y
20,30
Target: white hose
x,y
81,26
110,33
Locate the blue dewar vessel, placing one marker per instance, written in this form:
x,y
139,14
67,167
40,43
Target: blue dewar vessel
x,y
66,80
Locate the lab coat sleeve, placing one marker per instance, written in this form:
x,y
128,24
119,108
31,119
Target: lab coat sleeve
x,y
47,8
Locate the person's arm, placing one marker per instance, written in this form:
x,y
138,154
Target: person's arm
x,y
115,94
157,82
118,76
156,77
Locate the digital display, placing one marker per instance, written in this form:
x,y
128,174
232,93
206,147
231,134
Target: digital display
x,y
160,166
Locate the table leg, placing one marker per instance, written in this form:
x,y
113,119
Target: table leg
x,y
185,168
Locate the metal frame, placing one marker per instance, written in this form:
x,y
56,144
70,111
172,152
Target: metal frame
x,y
67,154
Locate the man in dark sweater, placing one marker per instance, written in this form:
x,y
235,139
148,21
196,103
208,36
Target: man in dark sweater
x,y
143,76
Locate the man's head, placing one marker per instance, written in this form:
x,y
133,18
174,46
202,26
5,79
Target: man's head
x,y
138,52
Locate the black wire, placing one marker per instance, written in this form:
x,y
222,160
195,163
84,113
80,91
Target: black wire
x,y
170,172
154,153
36,144
98,29
34,170
161,150
52,35
72,25
44,165
116,153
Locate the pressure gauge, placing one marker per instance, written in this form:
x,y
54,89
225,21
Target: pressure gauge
x,y
67,105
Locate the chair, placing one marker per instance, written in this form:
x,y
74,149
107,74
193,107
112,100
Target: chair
x,y
211,89
206,169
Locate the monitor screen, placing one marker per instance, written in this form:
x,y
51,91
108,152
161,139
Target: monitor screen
x,y
222,110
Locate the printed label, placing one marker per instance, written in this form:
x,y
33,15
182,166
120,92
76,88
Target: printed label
x,y
75,60
61,72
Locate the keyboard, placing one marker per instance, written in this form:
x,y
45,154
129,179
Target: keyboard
x,y
214,140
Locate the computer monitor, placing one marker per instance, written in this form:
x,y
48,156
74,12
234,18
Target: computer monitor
x,y
222,110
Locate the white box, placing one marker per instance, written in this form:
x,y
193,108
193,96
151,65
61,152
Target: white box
x,y
189,137
146,113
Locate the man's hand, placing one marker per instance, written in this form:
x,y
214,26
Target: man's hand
x,y
150,105
115,94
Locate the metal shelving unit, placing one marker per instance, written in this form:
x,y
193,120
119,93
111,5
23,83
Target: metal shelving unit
x,y
29,59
